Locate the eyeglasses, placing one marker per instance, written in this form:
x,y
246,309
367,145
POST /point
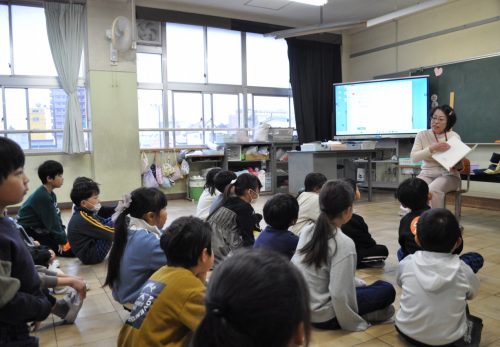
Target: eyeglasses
x,y
438,120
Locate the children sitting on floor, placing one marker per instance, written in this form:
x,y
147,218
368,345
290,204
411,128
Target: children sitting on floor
x,y
39,214
413,193
326,257
308,201
89,235
221,180
370,254
136,253
208,195
280,212
234,222
255,299
170,304
435,285
27,304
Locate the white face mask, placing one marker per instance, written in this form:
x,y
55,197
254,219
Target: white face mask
x,y
96,207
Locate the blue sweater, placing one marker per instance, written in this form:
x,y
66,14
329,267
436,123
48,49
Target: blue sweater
x,y
141,258
29,303
281,241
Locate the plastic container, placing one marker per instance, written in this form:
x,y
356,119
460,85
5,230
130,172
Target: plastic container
x,y
196,184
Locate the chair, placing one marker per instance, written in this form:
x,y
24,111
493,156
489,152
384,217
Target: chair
x,y
465,171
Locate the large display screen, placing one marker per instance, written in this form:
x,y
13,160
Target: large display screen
x,y
381,108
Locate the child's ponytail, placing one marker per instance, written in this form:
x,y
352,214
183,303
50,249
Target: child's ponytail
x,y
135,204
334,198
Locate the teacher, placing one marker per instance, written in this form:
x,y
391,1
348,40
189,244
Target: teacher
x,y
428,142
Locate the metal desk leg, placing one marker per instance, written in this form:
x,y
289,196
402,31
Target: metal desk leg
x,y
369,176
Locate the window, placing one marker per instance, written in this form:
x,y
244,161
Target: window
x,y
274,110
185,53
33,105
267,62
199,94
224,56
148,68
30,43
34,117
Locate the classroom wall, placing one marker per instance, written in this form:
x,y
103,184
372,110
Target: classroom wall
x,y
455,46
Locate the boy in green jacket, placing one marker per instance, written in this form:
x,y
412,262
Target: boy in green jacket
x,y
40,216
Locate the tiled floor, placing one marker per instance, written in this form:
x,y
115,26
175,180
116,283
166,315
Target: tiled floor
x,y
101,318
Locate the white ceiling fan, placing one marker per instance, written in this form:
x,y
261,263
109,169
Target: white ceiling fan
x,y
335,27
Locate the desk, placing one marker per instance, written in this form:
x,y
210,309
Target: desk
x,y
300,163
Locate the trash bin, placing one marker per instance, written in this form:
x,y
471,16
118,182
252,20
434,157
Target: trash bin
x,y
196,186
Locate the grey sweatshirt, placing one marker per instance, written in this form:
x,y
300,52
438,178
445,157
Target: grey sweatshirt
x,y
332,287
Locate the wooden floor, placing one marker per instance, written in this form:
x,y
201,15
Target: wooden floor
x,y
101,318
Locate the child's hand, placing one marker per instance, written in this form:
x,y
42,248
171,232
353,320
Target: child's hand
x,y
34,326
79,285
37,244
52,255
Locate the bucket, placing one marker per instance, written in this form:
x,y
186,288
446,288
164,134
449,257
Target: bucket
x,y
196,184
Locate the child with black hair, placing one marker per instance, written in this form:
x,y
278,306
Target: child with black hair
x,y
208,195
370,254
435,284
326,257
234,222
170,304
308,201
221,180
280,212
89,234
136,253
39,214
28,303
255,298
413,193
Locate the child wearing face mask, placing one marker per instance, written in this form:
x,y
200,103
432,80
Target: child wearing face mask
x,y
89,235
234,222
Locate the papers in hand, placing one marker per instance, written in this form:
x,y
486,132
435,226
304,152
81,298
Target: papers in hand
x,y
457,151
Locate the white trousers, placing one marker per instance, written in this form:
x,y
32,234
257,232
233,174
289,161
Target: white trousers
x,y
439,186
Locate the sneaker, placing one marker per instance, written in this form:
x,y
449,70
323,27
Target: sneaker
x,y
60,290
55,264
74,302
380,315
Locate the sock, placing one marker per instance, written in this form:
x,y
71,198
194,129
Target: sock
x,y
61,308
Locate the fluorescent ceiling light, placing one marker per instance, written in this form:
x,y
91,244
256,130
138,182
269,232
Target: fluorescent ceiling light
x,y
314,29
404,12
312,2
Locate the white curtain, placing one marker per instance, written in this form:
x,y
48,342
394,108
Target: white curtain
x,y
66,29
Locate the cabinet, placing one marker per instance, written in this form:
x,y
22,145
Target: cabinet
x,y
199,165
385,170
274,163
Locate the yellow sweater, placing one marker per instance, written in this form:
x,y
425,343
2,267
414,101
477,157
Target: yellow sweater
x,y
168,310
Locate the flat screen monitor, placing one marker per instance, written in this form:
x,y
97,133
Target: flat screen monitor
x,y
381,108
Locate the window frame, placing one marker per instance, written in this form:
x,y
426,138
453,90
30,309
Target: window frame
x,y
243,90
38,82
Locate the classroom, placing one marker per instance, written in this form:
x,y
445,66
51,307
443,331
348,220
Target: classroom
x,y
168,93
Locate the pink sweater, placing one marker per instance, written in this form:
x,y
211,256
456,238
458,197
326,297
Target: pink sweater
x,y
421,151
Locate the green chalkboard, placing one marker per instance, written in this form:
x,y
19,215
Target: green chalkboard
x,y
476,84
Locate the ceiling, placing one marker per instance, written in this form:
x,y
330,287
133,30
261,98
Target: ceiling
x,y
284,12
